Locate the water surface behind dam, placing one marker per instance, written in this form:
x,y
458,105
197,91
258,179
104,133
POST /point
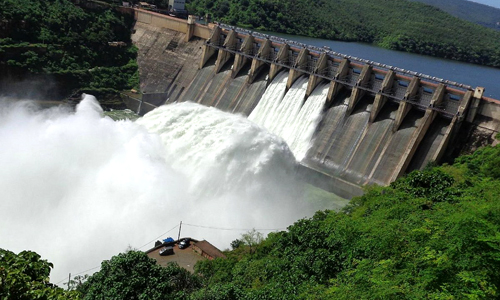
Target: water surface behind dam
x,y
466,73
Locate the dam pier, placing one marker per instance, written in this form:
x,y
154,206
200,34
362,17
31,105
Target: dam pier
x,y
374,122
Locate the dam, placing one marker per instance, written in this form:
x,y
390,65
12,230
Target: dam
x,y
349,121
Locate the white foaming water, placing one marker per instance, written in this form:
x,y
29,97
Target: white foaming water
x,y
219,151
289,117
265,110
78,188
302,130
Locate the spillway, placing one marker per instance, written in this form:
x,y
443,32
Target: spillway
x,y
224,92
291,115
370,148
270,101
429,144
347,120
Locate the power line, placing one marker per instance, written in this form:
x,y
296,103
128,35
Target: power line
x,y
186,224
157,237
60,281
79,273
233,229
87,271
138,248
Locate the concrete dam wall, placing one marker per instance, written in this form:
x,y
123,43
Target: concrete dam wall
x,y
373,124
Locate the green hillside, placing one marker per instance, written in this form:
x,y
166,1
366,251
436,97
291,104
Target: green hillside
x,y
434,234
471,11
393,24
85,48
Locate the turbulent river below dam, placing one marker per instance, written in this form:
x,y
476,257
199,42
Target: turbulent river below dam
x,y
79,187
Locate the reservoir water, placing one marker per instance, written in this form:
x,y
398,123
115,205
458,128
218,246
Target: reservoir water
x,y
469,74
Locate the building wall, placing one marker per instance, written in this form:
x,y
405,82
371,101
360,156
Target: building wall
x,y
201,31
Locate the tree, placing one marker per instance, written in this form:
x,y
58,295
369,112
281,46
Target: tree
x,y
252,238
236,244
70,42
419,28
133,275
76,282
25,276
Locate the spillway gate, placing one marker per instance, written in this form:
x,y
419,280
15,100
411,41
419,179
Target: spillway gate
x,y
378,121
386,83
410,91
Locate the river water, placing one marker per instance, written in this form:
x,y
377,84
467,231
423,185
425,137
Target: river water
x,y
469,74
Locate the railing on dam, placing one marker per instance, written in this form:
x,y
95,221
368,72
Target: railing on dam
x,y
426,112
385,82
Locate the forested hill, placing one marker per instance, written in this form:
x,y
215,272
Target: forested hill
x,y
471,11
84,48
393,24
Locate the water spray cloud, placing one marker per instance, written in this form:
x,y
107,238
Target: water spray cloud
x,y
78,187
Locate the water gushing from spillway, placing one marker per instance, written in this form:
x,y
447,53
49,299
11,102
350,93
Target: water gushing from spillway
x,y
78,188
287,115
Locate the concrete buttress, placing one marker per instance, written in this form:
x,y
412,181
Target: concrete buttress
x,y
404,105
412,146
358,93
422,129
318,69
257,62
240,60
210,51
224,56
190,28
478,94
281,58
300,64
438,96
335,87
380,99
454,127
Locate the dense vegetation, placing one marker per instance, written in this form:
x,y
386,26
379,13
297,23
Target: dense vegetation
x,y
431,235
434,234
133,275
468,10
67,41
25,276
393,24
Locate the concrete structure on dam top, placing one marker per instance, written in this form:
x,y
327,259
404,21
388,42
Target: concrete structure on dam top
x,y
379,121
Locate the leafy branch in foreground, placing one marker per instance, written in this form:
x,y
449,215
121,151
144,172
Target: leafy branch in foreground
x,y
25,276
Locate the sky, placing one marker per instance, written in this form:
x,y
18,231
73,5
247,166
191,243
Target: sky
x,y
494,3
